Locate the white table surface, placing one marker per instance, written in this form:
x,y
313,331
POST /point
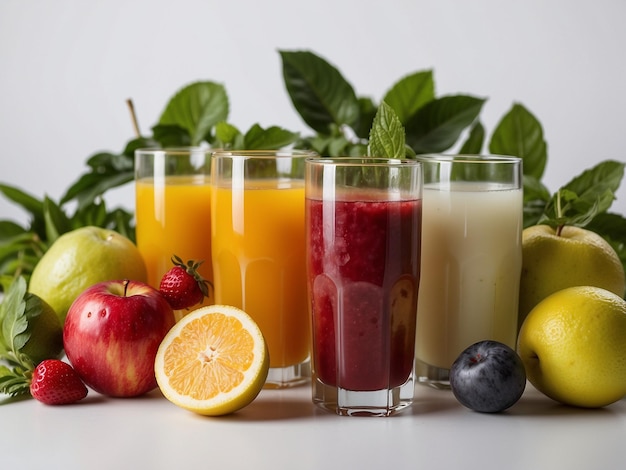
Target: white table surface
x,y
282,429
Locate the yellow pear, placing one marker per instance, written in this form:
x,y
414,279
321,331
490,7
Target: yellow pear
x,y
81,258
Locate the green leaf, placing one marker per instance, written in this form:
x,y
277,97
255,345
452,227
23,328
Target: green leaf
x,y
536,198
31,204
337,146
10,229
28,202
14,382
227,136
171,136
585,196
438,124
564,210
411,93
197,108
93,185
319,92
19,253
134,144
14,329
107,171
520,134
367,111
273,137
57,222
598,183
612,227
475,140
387,139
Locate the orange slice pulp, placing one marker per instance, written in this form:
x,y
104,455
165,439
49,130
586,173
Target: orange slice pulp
x,y
214,361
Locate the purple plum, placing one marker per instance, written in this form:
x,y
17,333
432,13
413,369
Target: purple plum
x,y
488,377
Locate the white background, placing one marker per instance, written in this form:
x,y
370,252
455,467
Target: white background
x,y
68,66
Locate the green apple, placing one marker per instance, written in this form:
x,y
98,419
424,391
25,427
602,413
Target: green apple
x,y
575,257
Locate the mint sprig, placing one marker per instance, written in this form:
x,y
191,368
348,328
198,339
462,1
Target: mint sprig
x,y
387,136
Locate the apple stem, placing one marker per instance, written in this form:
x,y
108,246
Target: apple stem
x,y
559,229
125,282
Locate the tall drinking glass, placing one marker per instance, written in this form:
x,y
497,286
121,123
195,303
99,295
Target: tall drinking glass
x,y
471,258
258,251
363,224
173,210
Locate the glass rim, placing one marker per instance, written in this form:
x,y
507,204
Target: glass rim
x,y
468,158
171,150
364,161
268,153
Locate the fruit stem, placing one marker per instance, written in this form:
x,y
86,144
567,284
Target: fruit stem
x,y
133,117
125,282
559,213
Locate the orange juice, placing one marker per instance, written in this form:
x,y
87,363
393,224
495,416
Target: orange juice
x,y
259,260
174,218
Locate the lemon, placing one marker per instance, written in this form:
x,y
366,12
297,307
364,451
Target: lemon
x,y
573,345
81,258
575,257
46,331
214,361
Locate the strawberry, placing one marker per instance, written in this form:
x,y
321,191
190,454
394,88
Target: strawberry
x,y
182,285
55,382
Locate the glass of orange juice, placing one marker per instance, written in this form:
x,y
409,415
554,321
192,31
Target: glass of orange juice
x,y
173,210
258,243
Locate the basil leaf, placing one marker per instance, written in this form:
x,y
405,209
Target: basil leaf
x,y
197,108
411,93
475,140
437,125
319,92
520,134
271,138
387,138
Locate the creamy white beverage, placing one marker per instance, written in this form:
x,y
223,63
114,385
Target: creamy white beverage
x,y
470,268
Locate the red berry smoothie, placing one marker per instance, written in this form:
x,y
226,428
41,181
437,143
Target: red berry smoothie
x,y
363,274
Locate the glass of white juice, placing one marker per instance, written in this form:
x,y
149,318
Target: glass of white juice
x,y
471,258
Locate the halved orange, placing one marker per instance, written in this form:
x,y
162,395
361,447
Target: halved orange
x,y
214,361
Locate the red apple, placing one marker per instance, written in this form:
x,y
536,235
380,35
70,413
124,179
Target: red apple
x,y
111,335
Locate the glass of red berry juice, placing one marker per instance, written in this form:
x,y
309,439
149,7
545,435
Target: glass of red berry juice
x,y
363,238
